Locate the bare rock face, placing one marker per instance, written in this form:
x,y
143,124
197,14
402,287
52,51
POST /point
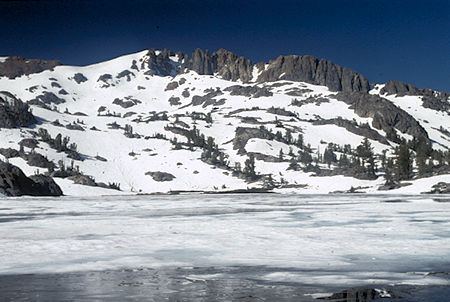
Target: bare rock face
x,y
386,116
14,183
159,64
231,66
14,67
431,99
312,70
293,68
13,112
227,64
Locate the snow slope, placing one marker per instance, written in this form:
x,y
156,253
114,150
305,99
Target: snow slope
x,y
94,104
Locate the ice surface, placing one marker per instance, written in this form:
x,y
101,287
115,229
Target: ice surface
x,y
322,239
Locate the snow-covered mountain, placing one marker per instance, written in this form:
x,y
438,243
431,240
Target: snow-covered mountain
x,y
159,121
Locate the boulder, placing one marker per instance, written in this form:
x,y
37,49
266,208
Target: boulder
x,y
13,182
160,176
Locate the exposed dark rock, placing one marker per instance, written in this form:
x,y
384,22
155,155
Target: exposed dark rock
x,y
309,69
63,92
174,101
130,102
360,295
386,116
281,111
207,99
441,188
160,176
160,64
243,134
45,186
29,143
128,114
79,78
134,65
74,127
80,114
354,128
13,112
297,91
105,78
125,73
201,62
185,93
231,66
46,98
182,81
431,99
14,67
392,186
98,157
311,100
32,89
227,64
37,160
56,85
13,182
84,180
9,152
249,91
171,86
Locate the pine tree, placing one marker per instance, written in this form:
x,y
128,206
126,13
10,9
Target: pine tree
x,y
403,163
249,168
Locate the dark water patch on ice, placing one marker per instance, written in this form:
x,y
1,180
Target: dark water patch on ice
x,y
396,201
441,199
190,284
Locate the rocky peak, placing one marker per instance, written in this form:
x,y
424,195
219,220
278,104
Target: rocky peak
x,y
160,64
14,67
231,66
201,62
227,64
312,70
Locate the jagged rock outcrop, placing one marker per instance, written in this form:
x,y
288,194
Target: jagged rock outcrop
x,y
14,67
227,64
386,116
231,66
312,70
159,64
201,62
13,112
13,182
431,99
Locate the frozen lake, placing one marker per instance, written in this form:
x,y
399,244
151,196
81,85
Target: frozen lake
x,y
211,247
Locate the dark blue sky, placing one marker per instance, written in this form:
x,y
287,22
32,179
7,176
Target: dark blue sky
x,y
402,40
